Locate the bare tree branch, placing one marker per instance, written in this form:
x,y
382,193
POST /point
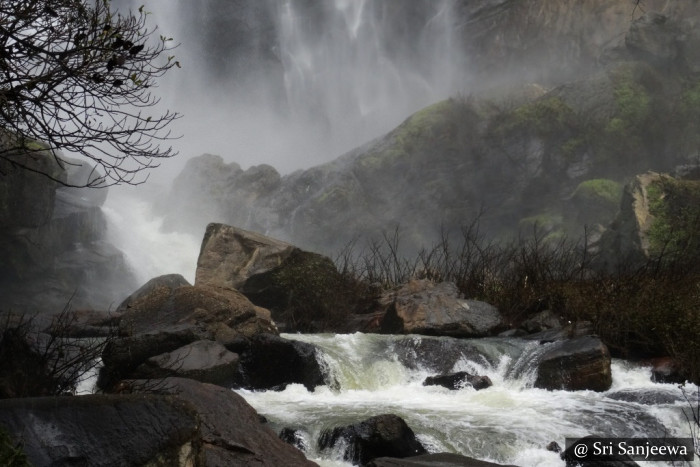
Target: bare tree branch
x,y
77,77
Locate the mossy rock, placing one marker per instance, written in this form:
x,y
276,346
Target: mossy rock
x,y
674,206
301,292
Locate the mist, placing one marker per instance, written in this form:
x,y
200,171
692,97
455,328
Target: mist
x,y
295,84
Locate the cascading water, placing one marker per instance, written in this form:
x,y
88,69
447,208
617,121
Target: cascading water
x,y
511,422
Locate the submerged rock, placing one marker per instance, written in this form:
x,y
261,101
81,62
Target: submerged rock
x,y
271,362
582,363
459,380
382,436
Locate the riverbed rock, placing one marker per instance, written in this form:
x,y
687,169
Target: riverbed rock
x,y
666,370
104,430
425,307
459,380
212,313
168,316
384,435
202,360
270,362
442,459
231,431
582,363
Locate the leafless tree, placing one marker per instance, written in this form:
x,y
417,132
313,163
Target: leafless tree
x,y
76,78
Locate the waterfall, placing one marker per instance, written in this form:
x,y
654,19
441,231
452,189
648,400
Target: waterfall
x,y
294,83
509,423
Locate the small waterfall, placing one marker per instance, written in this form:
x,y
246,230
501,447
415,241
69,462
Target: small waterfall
x,y
509,423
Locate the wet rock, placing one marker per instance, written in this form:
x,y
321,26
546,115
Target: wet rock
x,y
300,288
569,331
295,438
542,321
122,356
270,362
582,363
438,355
666,370
230,256
424,307
382,436
647,396
205,361
104,430
572,460
433,460
459,380
168,281
231,431
211,313
553,447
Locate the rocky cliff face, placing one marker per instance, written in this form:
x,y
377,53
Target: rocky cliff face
x,y
524,158
52,242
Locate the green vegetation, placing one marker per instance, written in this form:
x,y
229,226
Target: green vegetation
x,y
675,206
11,454
599,190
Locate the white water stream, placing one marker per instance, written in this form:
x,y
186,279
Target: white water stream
x,y
508,423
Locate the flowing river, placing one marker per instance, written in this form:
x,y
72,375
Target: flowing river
x,y
509,423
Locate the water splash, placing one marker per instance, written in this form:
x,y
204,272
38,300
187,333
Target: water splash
x,y
510,422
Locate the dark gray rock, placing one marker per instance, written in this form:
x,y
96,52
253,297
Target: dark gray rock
x,y
104,430
231,431
459,380
271,362
205,361
381,436
122,356
582,363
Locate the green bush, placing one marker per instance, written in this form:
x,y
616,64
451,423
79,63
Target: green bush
x,y
11,454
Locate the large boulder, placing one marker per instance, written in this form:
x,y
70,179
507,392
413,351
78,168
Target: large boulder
x,y
582,363
381,436
212,313
231,430
164,319
168,281
230,256
300,288
424,307
104,430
